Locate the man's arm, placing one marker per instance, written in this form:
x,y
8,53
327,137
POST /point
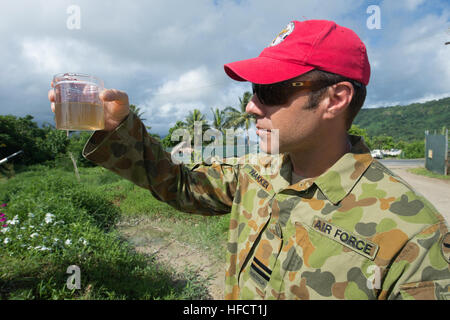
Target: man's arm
x,y
421,270
133,154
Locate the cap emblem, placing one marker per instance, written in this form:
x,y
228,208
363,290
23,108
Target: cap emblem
x,y
283,34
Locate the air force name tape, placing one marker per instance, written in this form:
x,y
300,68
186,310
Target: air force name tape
x,y
358,244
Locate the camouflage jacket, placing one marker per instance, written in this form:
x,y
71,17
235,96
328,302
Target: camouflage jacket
x,y
357,231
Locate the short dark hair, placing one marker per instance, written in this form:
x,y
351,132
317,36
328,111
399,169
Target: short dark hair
x,y
315,97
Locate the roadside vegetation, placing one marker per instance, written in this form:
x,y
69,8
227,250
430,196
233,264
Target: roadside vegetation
x,y
430,174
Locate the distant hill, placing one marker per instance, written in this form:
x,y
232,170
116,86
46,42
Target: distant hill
x,y
408,122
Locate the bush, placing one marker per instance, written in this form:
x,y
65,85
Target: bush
x,y
38,144
414,150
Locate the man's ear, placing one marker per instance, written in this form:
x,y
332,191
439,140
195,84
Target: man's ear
x,y
339,97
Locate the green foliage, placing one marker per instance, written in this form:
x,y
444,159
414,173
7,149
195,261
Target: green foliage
x,y
137,111
357,131
428,173
167,142
239,118
407,123
416,149
382,142
38,144
194,117
219,118
54,142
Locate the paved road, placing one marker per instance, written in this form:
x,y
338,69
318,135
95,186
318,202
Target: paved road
x,y
403,162
437,191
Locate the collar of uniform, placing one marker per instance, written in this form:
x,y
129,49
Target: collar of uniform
x,y
339,180
275,168
335,183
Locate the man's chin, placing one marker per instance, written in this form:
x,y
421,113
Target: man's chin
x,y
263,147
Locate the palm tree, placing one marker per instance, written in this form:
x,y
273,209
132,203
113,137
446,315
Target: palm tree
x,y
139,114
137,111
219,119
193,117
240,118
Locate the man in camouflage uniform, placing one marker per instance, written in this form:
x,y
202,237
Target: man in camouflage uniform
x,y
321,219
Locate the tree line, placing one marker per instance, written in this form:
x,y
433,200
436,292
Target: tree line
x,y
407,123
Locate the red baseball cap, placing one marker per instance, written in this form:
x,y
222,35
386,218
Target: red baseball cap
x,y
302,47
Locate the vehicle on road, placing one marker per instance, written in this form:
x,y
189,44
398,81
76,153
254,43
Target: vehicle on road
x,y
391,153
376,153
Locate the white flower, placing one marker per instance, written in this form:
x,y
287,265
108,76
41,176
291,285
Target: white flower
x,y
34,235
6,240
15,220
42,248
4,230
83,241
30,215
19,236
49,218
68,242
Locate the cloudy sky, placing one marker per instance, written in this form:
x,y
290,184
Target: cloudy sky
x,y
168,55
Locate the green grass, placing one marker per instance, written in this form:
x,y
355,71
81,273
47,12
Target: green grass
x,y
426,172
36,248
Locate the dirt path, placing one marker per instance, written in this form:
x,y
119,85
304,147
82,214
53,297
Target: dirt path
x,y
437,191
152,240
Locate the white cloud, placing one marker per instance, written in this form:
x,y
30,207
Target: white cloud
x,y
190,86
413,4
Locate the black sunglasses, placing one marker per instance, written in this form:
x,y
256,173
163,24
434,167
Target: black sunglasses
x,y
280,93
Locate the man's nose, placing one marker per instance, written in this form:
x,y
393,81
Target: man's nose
x,y
254,106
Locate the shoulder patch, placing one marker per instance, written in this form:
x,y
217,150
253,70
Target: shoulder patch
x,y
356,243
445,247
259,179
